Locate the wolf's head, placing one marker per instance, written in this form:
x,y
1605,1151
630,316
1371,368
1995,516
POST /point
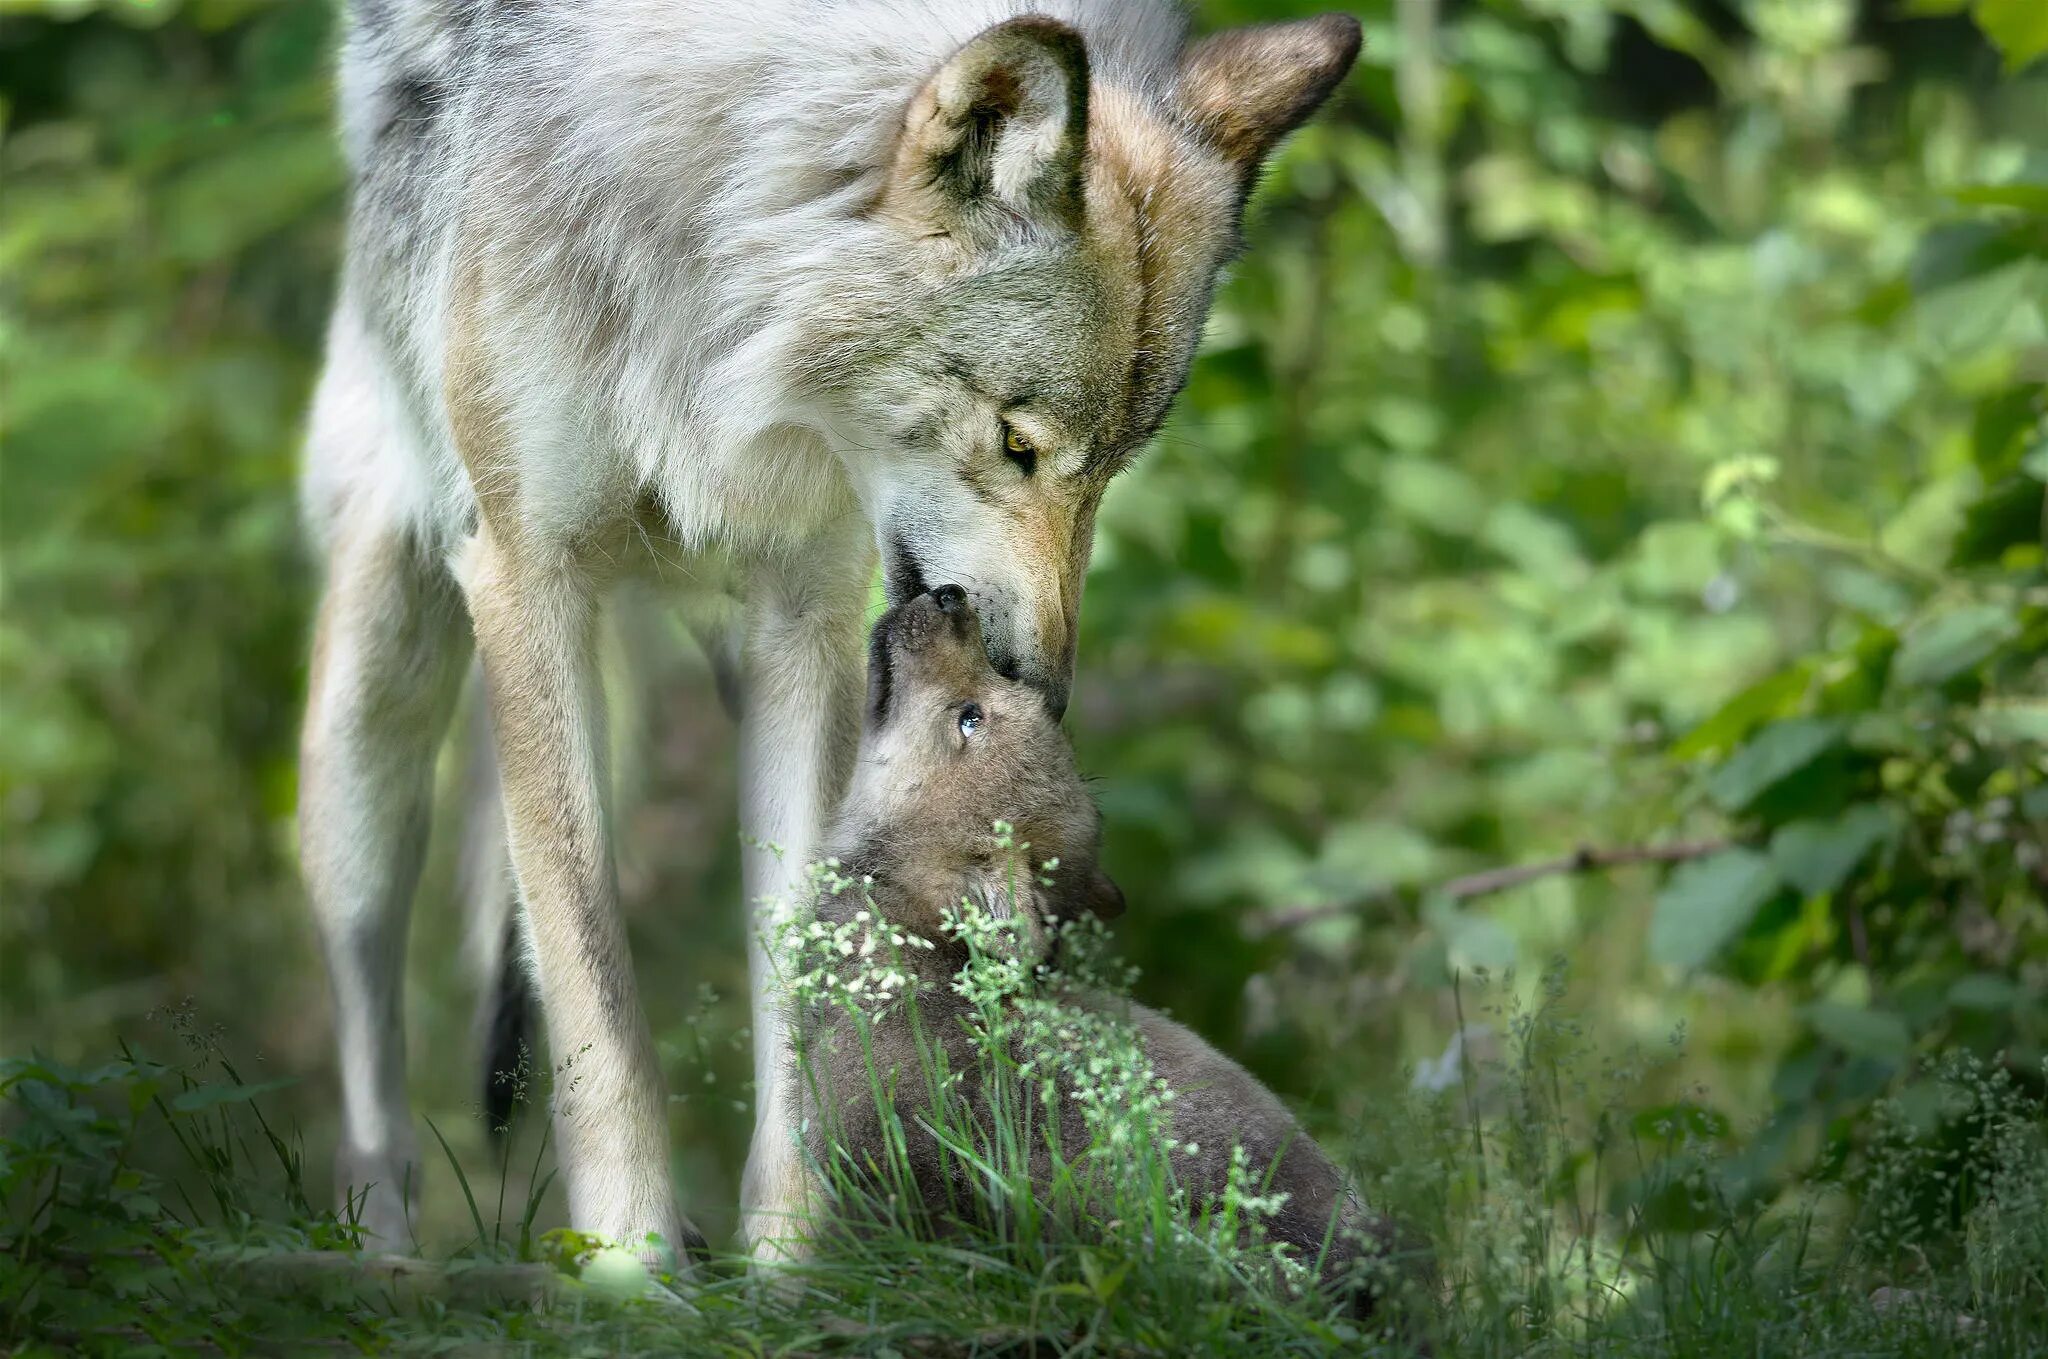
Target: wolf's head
x,y
948,748
1050,244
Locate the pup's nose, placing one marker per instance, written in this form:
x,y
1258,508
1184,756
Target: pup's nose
x,y
949,598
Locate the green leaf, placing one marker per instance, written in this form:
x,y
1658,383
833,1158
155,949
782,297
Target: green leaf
x,y
1472,938
1775,753
1983,991
201,1097
1860,1032
2017,28
1773,696
1944,646
2013,721
1103,1280
1963,318
2034,462
2028,197
1707,903
208,215
1816,856
1434,494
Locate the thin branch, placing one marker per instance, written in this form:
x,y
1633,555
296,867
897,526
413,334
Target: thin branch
x,y
1584,859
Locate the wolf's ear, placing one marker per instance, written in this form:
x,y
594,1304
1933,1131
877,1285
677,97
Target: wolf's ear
x,y
1246,88
1105,900
1003,126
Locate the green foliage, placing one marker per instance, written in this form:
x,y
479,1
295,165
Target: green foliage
x,y
1899,778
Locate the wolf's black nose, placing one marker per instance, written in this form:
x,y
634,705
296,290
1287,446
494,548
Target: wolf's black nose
x,y
949,598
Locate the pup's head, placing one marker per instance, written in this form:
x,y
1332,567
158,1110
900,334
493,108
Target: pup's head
x,y
948,748
1048,235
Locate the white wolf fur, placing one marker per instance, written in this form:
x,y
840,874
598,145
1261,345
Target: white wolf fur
x,y
635,283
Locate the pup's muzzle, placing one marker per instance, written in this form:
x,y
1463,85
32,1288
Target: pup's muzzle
x,y
937,615
931,638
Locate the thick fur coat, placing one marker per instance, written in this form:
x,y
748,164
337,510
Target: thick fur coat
x,y
746,291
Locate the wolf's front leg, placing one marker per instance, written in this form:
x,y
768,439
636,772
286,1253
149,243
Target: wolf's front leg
x,y
799,727
535,631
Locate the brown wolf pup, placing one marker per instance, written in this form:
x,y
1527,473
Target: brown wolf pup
x,y
948,748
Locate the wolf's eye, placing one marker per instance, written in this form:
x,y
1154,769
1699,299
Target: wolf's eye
x,y
970,719
1020,449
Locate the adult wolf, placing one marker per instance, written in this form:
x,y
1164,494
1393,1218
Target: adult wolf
x,y
798,283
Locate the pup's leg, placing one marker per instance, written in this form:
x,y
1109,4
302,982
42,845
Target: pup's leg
x,y
536,633
388,657
800,702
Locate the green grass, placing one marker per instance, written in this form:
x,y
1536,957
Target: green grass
x,y
1558,1219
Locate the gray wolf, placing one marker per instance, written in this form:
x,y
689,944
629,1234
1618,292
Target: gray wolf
x,y
697,290
950,748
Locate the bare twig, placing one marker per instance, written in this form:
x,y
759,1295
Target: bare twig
x,y
1584,859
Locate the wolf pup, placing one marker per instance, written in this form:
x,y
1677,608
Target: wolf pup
x,y
948,748
630,282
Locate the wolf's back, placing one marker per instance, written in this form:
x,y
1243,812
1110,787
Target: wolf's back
x,y
844,67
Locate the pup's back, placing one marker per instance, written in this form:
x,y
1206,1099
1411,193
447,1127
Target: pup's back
x,y
948,749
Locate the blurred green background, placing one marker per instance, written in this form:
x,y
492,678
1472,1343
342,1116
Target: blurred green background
x,y
1626,428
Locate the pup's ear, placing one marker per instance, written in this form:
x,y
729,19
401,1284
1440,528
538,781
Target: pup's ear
x,y
1246,88
1001,128
1104,899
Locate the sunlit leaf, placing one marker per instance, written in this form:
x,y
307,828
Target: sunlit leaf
x,y
1944,646
1775,753
1773,696
1817,856
2030,197
1707,903
1983,991
1858,1031
1473,938
2014,720
2035,462
2018,28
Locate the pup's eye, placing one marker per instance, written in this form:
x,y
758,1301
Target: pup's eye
x,y
970,719
1020,449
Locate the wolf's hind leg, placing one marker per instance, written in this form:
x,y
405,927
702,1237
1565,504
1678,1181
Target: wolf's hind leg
x,y
388,656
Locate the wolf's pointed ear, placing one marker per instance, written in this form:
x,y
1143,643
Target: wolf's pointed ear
x,y
1246,88
1105,900
1003,126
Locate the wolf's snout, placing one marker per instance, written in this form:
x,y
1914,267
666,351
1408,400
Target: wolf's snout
x,y
1053,686
1055,692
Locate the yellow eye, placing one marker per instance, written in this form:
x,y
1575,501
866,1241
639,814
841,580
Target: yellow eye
x,y
1020,449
